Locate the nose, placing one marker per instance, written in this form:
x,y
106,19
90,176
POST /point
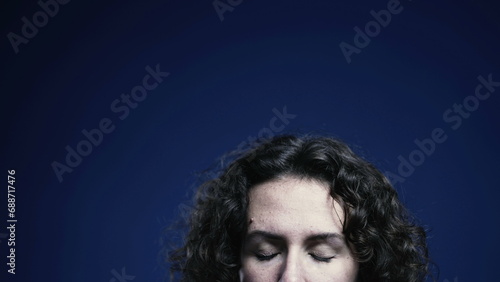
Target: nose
x,y
291,270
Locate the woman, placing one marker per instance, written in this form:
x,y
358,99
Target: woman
x,y
300,209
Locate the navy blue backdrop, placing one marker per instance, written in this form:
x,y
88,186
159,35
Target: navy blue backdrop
x,y
110,108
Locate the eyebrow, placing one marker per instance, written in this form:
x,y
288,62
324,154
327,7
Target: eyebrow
x,y
326,236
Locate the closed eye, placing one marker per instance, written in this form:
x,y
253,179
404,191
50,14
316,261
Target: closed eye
x,y
320,258
265,257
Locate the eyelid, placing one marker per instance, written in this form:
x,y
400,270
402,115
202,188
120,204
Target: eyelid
x,y
263,256
323,253
322,258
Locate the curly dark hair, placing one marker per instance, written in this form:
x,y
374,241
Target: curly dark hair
x,y
385,240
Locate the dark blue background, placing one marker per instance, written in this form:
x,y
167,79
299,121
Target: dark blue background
x,y
226,77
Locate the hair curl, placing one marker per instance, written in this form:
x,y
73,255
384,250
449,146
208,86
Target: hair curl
x,y
386,242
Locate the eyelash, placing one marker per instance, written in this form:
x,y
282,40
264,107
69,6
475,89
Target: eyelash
x,y
263,257
321,259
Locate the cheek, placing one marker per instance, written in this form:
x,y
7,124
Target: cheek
x,y
344,270
338,270
256,272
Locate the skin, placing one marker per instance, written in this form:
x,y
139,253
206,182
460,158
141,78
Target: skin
x,y
295,234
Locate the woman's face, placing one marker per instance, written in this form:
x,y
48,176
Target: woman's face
x,y
295,234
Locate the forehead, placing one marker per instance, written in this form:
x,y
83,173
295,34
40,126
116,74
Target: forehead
x,y
291,205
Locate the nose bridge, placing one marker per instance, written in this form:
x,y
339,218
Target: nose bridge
x,y
291,270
